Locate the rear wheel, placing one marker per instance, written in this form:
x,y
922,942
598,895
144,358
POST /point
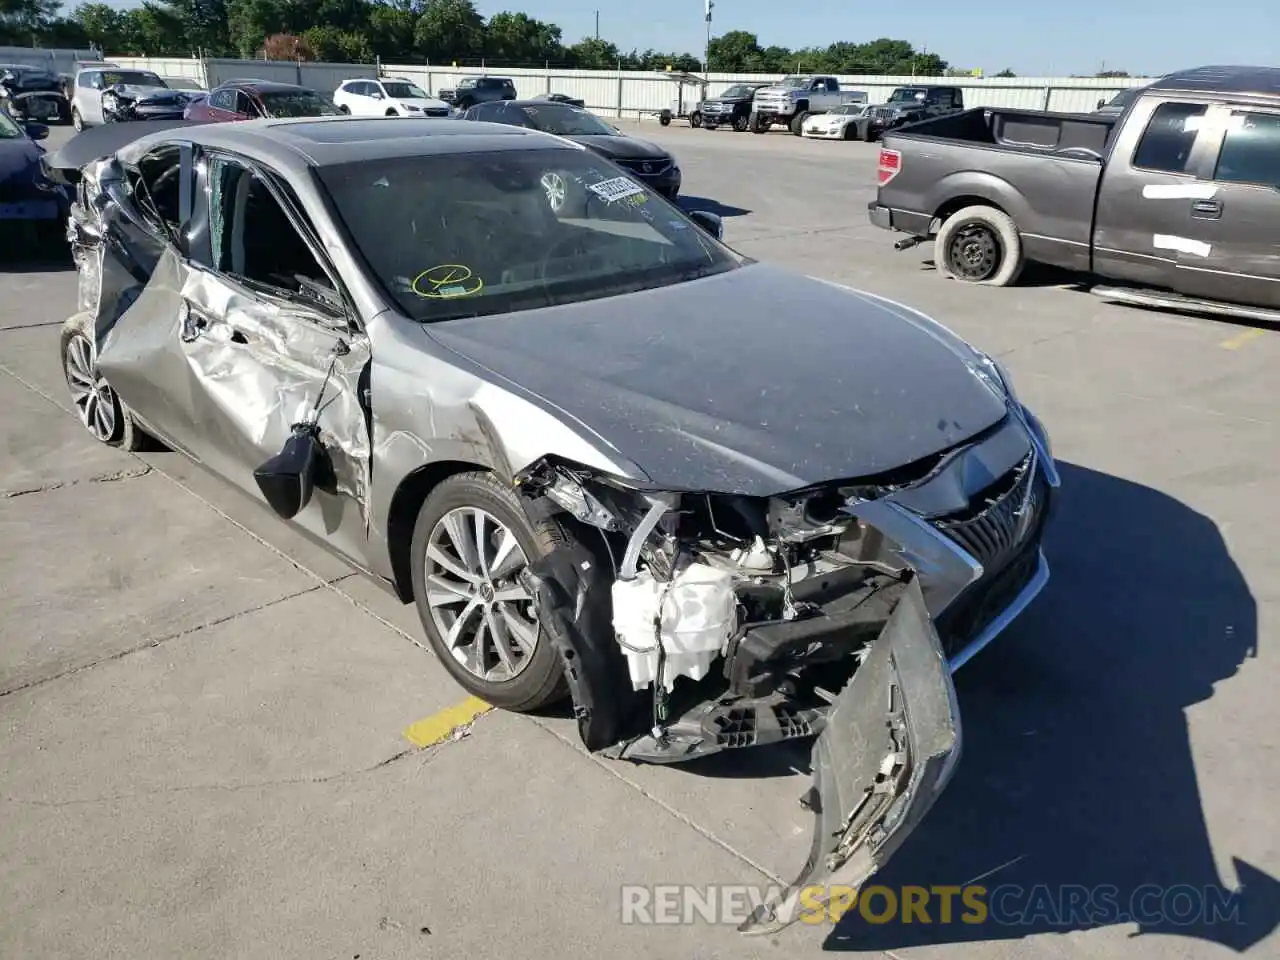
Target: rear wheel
x,y
76,120
103,413
979,244
664,118
472,541
344,109
741,123
695,119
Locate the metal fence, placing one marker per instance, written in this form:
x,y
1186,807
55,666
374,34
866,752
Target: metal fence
x,y
637,93
55,61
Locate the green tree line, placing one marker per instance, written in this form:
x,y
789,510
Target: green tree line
x,y
432,31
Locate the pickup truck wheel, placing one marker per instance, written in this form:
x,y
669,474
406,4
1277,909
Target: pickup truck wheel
x,y
741,123
797,122
695,119
979,245
756,124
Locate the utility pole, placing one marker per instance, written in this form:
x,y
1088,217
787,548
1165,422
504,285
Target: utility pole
x,y
597,24
706,50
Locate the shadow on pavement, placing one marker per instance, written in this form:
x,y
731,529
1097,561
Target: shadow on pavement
x,y
1076,803
690,204
27,250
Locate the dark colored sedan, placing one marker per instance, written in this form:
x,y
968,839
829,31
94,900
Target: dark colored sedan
x,y
643,160
254,99
27,196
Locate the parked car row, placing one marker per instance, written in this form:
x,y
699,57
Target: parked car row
x,y
818,107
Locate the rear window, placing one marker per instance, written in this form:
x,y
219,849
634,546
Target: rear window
x,y
1166,144
300,103
141,78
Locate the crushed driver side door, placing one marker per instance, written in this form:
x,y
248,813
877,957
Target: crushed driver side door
x,y
890,746
271,342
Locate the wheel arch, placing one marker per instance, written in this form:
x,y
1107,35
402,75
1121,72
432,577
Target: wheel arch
x,y
975,188
402,514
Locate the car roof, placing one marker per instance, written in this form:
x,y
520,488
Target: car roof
x,y
1223,79
328,141
267,86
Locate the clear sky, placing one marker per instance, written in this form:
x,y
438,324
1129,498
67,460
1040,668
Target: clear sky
x,y
1058,37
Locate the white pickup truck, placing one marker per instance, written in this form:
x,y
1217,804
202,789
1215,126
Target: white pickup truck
x,y
792,99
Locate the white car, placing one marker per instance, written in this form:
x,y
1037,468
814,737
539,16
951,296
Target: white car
x,y
839,123
388,97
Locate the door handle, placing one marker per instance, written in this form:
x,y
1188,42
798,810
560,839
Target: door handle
x,y
1206,210
192,322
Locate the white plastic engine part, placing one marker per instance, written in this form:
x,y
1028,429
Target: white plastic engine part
x,y
699,615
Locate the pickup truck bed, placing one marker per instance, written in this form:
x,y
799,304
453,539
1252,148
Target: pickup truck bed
x,y
1041,168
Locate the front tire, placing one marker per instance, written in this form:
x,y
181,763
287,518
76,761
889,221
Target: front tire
x,y
757,124
101,411
471,541
979,244
344,109
741,123
695,119
797,123
77,121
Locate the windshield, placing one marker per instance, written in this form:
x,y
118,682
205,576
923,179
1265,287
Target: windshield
x,y
739,92
297,103
795,83
403,90
8,129
847,108
139,78
461,235
906,95
566,121
1124,97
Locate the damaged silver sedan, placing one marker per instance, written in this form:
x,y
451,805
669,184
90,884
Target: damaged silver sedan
x,y
713,504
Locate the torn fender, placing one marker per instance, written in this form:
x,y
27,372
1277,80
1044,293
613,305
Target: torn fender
x,y
890,746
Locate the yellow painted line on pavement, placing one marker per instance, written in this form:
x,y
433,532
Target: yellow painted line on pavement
x,y
1240,339
440,726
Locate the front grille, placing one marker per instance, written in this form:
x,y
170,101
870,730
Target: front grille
x,y
436,111
1002,532
998,518
646,168
882,113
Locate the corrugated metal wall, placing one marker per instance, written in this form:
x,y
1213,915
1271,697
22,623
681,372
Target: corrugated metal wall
x,y
629,94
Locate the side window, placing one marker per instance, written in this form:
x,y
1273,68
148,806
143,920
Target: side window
x,y
85,80
157,187
244,106
1250,150
223,99
251,238
1166,144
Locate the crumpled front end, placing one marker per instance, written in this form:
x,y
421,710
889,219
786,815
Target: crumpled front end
x,y
122,103
693,622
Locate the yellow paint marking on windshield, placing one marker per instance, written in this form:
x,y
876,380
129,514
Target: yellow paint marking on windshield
x,y
445,281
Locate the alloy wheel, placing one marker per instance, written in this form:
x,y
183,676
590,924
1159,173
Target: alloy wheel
x,y
486,618
94,399
557,190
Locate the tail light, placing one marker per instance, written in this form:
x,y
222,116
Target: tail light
x,y
890,166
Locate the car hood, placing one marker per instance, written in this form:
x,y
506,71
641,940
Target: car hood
x,y
754,381
18,159
138,91
622,148
427,103
725,101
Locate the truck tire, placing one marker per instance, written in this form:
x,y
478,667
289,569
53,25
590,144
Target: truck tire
x,y
695,119
757,124
664,118
797,122
979,244
742,123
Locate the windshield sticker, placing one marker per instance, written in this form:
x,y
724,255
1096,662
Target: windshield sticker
x,y
446,281
619,188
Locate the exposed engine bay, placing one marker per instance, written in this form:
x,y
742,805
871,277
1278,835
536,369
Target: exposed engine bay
x,y
702,622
